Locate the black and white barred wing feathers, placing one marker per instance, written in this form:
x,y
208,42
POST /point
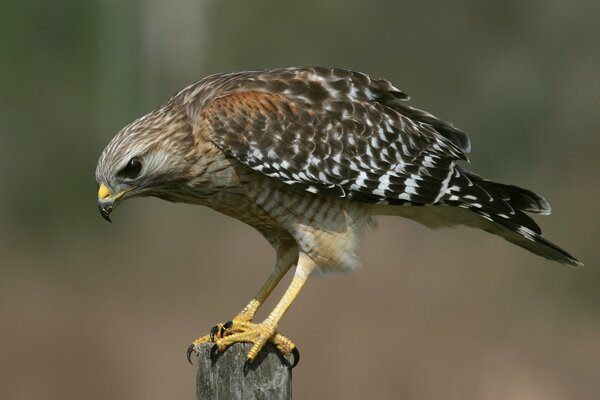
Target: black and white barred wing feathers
x,y
340,133
336,133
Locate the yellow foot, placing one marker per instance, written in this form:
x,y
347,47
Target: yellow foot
x,y
222,329
237,331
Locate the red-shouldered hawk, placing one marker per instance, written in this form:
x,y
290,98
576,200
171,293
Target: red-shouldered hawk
x,y
308,156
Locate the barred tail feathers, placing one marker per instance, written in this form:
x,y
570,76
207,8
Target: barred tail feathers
x,y
503,208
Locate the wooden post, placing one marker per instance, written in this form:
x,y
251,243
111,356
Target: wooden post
x,y
220,376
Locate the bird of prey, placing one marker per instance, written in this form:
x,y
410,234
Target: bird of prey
x,y
308,157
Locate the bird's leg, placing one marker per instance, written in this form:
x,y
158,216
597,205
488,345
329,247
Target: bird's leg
x,y
287,255
259,334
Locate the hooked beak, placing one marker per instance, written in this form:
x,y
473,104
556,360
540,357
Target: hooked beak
x,y
107,201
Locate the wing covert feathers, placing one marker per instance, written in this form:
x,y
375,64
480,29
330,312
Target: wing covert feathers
x,y
340,133
335,133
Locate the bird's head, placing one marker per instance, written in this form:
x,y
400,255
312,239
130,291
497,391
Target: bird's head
x,y
146,158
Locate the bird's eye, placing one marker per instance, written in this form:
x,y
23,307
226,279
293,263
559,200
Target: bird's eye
x,y
132,169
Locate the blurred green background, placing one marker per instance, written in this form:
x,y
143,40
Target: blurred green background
x,y
90,310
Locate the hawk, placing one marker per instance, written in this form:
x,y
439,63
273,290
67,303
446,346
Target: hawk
x,y
308,157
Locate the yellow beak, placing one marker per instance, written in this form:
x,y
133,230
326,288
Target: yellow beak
x,y
103,192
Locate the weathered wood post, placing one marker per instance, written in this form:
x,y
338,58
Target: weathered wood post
x,y
221,376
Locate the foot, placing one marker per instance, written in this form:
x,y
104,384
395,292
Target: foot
x,y
223,329
236,331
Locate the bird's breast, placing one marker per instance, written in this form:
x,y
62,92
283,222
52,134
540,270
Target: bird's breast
x,y
326,228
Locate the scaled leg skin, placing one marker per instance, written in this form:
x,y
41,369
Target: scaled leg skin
x,y
287,255
259,334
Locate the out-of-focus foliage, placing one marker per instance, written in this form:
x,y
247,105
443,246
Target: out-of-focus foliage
x,y
91,310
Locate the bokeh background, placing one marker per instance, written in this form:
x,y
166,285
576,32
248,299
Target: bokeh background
x,y
90,310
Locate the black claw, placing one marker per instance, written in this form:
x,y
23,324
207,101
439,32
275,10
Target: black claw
x,y
214,353
296,355
247,365
190,350
225,326
213,332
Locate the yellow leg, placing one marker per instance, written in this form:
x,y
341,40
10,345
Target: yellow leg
x,y
259,334
286,257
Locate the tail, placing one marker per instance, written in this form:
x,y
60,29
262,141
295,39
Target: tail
x,y
503,209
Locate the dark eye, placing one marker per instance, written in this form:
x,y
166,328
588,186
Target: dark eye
x,y
132,169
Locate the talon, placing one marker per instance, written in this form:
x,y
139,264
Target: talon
x,y
247,365
225,334
225,326
213,332
214,353
296,355
190,350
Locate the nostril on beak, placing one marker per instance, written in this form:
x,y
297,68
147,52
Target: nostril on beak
x,y
103,192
